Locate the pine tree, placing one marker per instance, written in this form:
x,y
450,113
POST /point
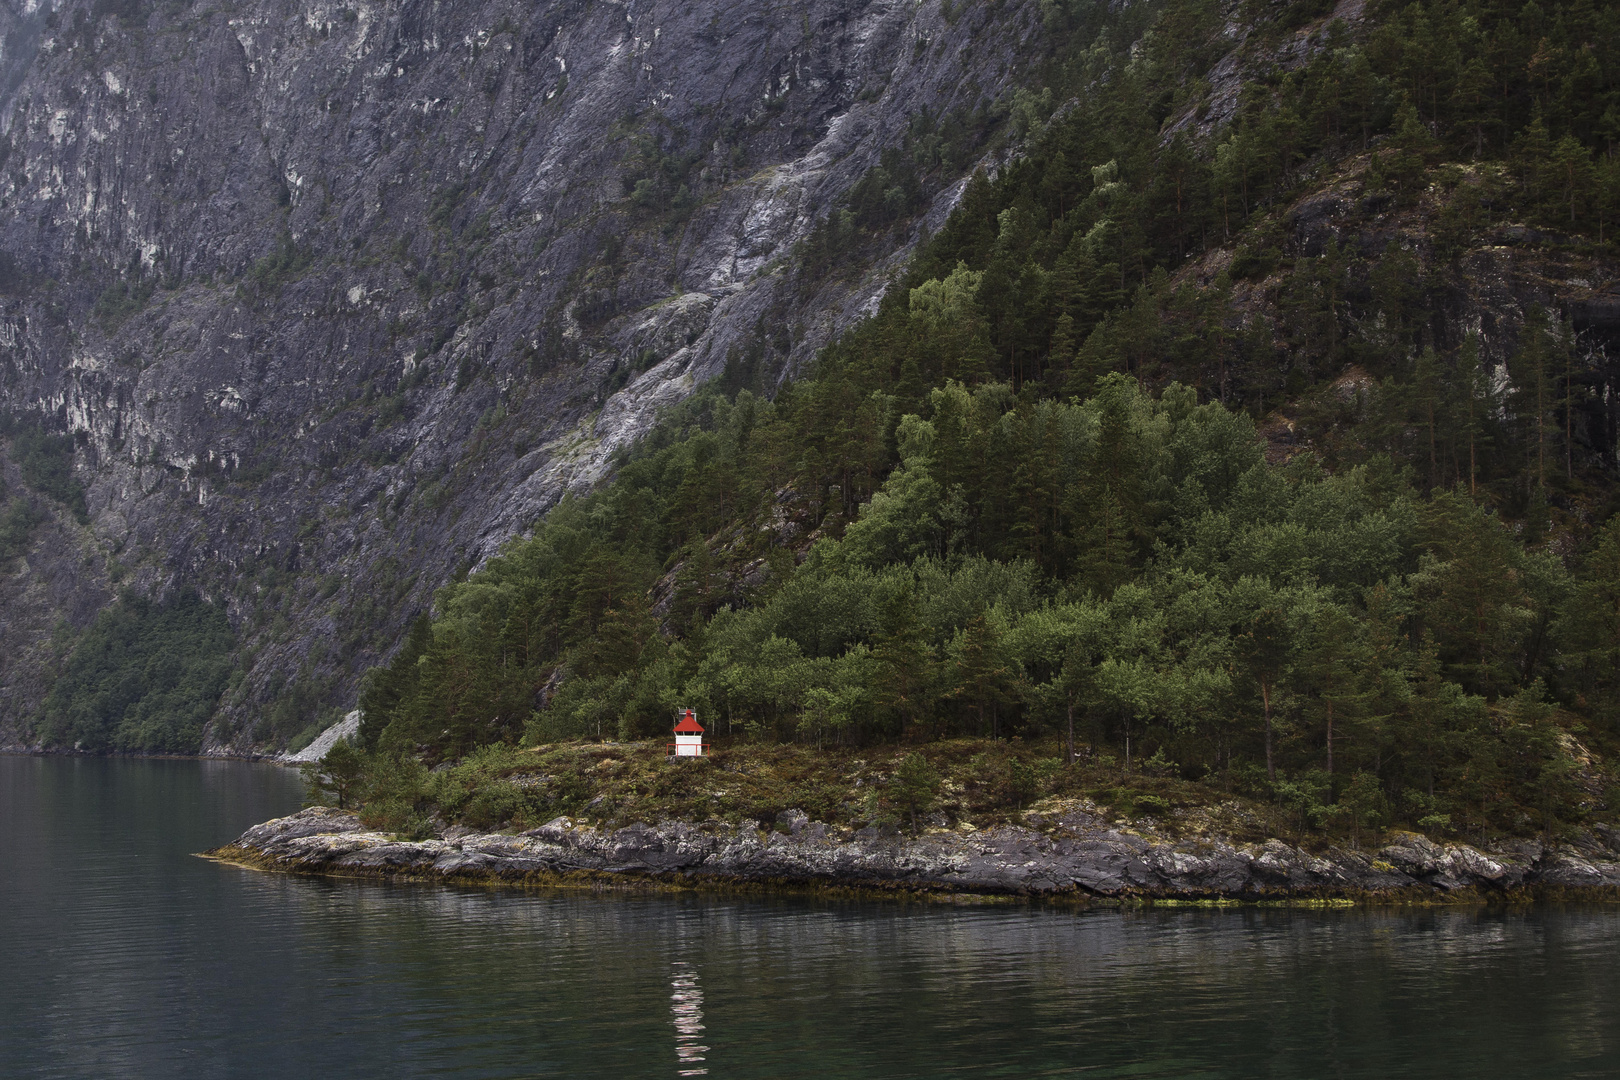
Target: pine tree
x,y
1410,146
1475,386
1330,665
1531,152
1590,625
1107,505
1606,190
979,672
1471,104
386,690
1473,594
339,775
1074,682
1363,799
1264,650
1532,398
1427,394
905,663
1564,351
1423,730
1568,180
1062,347
914,787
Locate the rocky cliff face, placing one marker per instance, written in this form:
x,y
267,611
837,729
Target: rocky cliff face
x,y
337,297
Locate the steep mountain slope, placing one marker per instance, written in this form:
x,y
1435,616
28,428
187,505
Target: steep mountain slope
x,y
335,298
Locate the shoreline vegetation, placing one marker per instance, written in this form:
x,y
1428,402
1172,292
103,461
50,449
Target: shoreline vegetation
x,y
1063,852
962,818
953,783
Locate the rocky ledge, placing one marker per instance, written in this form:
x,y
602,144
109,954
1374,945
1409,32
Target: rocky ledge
x,y
1073,854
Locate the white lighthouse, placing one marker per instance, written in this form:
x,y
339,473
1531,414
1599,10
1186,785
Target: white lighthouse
x,y
688,736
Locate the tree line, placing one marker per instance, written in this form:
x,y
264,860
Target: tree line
x,y
1127,571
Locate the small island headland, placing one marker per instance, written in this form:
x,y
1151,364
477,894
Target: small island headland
x,y
954,818
1059,852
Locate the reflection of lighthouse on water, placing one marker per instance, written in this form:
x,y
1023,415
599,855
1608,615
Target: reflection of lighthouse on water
x,y
688,1010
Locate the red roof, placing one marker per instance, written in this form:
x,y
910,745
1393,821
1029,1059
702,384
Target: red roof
x,y
688,725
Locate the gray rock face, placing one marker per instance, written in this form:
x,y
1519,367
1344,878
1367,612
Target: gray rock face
x,y
1076,854
338,298
347,729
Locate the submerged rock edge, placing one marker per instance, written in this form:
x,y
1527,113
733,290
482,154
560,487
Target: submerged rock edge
x,y
1078,858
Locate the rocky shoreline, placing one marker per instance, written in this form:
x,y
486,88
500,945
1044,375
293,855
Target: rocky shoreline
x,y
1074,855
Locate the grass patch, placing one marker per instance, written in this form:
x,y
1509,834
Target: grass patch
x,y
970,783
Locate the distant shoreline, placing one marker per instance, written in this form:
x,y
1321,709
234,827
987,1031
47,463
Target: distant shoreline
x,y
271,759
1073,860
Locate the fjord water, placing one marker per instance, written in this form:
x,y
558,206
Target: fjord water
x,y
123,955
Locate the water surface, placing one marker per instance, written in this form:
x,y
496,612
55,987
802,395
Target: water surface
x,y
122,955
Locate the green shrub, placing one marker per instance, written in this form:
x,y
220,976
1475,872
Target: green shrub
x,y
17,523
479,792
119,301
46,463
914,787
337,777
285,263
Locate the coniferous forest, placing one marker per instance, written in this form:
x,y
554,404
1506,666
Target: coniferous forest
x,y
1186,446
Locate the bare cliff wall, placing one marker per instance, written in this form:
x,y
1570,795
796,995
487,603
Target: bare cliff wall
x,y
336,298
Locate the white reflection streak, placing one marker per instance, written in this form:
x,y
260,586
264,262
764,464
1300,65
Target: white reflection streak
x,y
688,1010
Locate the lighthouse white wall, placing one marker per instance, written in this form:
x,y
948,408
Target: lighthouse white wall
x,y
689,746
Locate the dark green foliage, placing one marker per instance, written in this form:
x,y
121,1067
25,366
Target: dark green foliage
x,y
18,519
935,149
659,178
143,678
887,192
295,710
493,787
386,688
119,301
338,777
443,204
1363,802
1589,627
1246,612
286,263
398,794
914,787
46,463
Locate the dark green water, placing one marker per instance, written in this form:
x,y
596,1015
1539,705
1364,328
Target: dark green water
x,y
121,955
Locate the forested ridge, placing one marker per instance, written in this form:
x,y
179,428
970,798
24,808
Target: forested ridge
x,y
1213,437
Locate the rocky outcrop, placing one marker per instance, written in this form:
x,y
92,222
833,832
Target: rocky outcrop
x,y
337,298
346,730
1074,854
